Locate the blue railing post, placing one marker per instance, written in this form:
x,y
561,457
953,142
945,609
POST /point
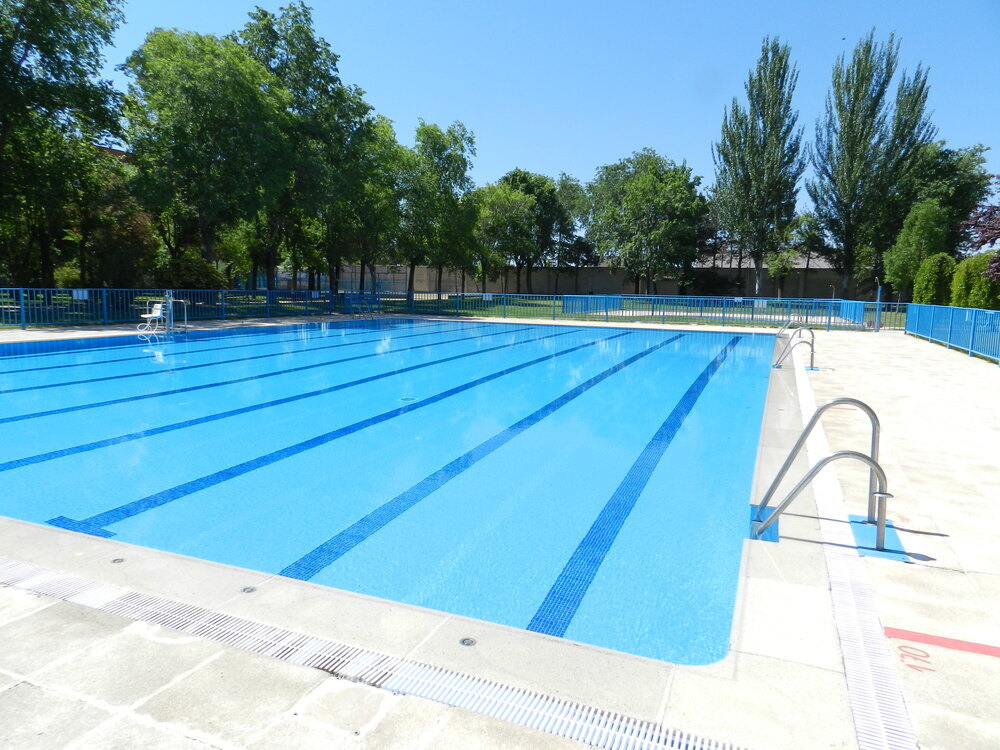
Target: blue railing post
x,y
456,304
24,314
223,294
104,306
267,303
308,294
553,307
951,327
930,331
505,305
829,315
972,336
606,305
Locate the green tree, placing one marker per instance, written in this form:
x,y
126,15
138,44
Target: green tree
x,y
551,222
504,228
867,147
646,216
52,108
324,117
924,233
439,226
758,161
957,180
573,249
207,127
970,287
932,285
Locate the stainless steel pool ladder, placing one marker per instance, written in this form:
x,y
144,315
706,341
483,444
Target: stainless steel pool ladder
x,y
364,309
792,343
878,492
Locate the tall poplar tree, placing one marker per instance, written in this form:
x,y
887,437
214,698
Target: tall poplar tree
x,y
868,145
758,159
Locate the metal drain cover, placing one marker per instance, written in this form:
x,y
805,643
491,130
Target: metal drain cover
x,y
468,641
407,399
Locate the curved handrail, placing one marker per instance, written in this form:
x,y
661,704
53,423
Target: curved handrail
x,y
792,343
807,430
882,494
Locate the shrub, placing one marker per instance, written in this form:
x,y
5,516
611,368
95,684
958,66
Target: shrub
x,y
970,286
932,284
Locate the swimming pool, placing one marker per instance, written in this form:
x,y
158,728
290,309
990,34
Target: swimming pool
x,y
589,483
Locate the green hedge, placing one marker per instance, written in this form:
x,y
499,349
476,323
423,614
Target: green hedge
x,y
971,288
932,284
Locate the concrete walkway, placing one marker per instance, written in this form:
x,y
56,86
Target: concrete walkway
x,y
940,415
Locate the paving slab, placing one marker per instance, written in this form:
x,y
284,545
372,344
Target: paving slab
x,y
33,718
231,698
52,634
128,667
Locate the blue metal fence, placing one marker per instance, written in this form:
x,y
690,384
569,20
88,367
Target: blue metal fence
x,y
972,330
41,307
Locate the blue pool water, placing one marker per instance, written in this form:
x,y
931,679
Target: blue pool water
x,y
590,483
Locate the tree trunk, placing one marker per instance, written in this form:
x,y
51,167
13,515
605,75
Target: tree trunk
x,y
758,271
517,277
636,282
334,274
412,275
440,270
361,278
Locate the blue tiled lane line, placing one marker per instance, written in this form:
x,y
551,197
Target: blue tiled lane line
x,y
248,378
96,524
287,338
217,363
563,599
97,444
337,546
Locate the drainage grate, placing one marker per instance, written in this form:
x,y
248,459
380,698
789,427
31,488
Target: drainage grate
x,y
562,718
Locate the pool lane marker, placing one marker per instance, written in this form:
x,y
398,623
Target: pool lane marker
x,y
248,378
148,373
286,337
564,598
340,544
19,463
95,524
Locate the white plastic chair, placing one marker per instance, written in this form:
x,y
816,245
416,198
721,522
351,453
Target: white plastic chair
x,y
153,320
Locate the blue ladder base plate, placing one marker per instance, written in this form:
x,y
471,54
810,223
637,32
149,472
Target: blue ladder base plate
x,y
864,537
771,535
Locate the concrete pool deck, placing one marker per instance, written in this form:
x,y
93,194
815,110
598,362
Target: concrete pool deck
x,y
74,675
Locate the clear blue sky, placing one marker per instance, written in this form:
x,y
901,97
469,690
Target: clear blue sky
x,y
567,86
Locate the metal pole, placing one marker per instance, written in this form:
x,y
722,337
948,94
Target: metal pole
x,y
24,315
104,306
878,308
168,302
